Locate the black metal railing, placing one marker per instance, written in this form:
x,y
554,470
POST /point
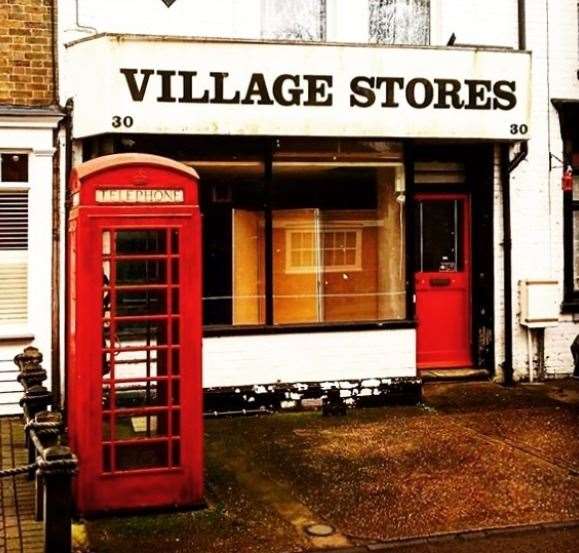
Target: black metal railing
x,y
51,464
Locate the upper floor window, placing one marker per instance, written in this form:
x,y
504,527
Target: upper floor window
x,y
13,238
399,21
295,19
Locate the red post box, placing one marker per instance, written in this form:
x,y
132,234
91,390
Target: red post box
x,y
134,391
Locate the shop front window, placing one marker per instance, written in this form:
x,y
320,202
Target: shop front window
x,y
399,21
312,238
337,243
295,20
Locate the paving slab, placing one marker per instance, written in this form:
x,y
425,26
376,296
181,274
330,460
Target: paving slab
x,y
19,532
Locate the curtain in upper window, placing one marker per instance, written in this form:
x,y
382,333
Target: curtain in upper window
x,y
399,21
294,19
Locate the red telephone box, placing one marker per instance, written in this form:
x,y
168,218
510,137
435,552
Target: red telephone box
x,y
134,389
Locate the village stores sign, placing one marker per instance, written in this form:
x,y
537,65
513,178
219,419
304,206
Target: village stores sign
x,y
176,86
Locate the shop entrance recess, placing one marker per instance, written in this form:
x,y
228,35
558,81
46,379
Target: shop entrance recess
x,y
134,366
443,267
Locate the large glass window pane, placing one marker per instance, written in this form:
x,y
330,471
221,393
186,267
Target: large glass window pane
x,y
232,200
399,21
295,19
338,250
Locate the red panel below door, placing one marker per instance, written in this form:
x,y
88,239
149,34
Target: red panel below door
x,y
443,320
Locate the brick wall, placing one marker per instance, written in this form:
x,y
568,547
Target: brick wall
x,y
26,63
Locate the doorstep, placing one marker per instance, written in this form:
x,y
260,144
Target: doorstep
x,y
450,375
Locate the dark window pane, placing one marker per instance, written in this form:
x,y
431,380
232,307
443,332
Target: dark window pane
x,y
14,168
175,301
106,458
139,333
140,364
145,394
141,242
141,302
176,453
134,427
439,245
141,456
141,272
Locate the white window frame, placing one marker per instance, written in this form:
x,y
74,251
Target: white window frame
x,y
319,251
17,326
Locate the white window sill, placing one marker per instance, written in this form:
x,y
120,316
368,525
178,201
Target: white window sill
x,y
11,334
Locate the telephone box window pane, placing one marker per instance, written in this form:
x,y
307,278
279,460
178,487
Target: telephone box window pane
x,y
14,168
176,367
151,271
176,331
175,301
175,271
141,456
140,333
176,444
107,245
106,428
146,394
141,364
141,242
106,458
174,241
134,427
141,302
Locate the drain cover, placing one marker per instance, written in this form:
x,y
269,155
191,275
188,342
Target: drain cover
x,y
319,530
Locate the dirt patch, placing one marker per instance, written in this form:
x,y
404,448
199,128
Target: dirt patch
x,y
475,456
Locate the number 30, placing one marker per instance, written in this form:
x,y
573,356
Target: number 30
x,y
519,129
126,121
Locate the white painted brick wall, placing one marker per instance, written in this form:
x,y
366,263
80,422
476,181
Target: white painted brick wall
x,y
536,197
244,360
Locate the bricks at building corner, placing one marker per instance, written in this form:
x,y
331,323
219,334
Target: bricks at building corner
x,y
26,63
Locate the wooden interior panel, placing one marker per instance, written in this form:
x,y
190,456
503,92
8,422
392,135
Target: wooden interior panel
x,y
295,298
248,267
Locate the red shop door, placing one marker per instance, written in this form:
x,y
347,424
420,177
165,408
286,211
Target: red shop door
x,y
442,257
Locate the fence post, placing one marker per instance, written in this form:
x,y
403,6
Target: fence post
x,y
48,426
36,399
57,468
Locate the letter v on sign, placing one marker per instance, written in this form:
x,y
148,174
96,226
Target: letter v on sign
x,y
169,3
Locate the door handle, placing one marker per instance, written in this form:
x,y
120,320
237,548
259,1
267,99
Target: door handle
x,y
439,282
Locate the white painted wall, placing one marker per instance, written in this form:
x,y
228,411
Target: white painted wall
x,y
320,356
34,136
536,197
